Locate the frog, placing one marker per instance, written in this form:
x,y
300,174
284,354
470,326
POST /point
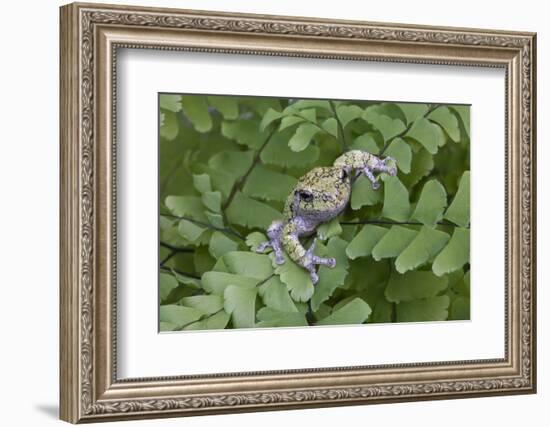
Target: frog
x,y
319,196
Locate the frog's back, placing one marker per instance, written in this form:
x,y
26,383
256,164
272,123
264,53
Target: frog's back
x,y
329,187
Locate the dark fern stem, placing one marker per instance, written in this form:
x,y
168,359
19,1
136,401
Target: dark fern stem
x,y
309,314
387,222
200,319
168,257
175,248
407,129
340,127
226,230
182,273
240,183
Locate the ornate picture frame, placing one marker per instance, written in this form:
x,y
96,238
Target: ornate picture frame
x,y
90,37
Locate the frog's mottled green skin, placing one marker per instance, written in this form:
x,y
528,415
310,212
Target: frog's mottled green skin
x,y
322,192
319,196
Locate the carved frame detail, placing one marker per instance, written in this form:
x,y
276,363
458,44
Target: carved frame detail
x,y
90,390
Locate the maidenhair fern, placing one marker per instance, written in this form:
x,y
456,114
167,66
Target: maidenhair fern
x,y
227,165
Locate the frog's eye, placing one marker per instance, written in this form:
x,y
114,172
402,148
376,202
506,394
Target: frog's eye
x,y
306,196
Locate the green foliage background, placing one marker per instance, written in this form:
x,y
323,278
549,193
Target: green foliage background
x,y
227,165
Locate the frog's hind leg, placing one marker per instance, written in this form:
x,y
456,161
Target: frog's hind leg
x,y
274,233
311,260
305,258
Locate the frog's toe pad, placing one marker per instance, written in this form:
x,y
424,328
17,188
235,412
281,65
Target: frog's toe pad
x,y
314,277
329,262
263,246
375,185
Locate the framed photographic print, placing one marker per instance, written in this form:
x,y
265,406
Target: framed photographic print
x,y
265,212
242,175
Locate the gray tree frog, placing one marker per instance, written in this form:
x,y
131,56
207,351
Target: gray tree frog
x,y
319,196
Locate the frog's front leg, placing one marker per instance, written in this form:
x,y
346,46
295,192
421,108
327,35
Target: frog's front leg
x,y
297,252
368,173
380,166
274,233
385,166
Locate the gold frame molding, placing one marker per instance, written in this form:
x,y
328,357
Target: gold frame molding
x,y
90,36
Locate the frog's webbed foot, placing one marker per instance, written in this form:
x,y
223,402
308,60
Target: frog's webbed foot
x,y
311,260
274,235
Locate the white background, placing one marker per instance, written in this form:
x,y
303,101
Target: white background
x,y
29,171
144,73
